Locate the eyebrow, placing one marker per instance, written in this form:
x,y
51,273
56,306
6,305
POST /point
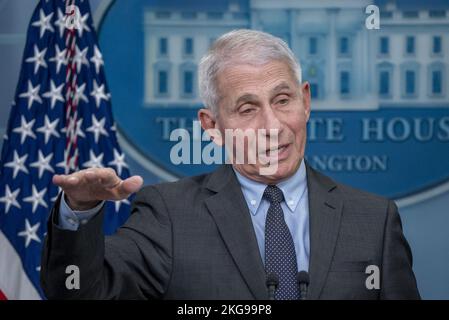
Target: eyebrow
x,y
245,98
280,87
251,97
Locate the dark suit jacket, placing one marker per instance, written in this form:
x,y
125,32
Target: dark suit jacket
x,y
194,239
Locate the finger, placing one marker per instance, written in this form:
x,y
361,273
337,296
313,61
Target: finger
x,y
103,177
109,178
66,181
57,179
128,186
91,175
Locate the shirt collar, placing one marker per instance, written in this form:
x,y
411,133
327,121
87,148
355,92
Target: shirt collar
x,y
293,189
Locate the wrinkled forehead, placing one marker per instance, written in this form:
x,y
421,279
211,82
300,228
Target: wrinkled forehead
x,y
253,79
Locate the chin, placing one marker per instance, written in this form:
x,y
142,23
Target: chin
x,y
284,171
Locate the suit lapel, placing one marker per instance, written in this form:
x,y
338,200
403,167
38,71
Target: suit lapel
x,y
230,212
325,211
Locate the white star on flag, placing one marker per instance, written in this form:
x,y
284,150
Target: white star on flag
x,y
78,131
61,23
49,129
9,199
32,94
43,163
18,164
119,202
59,58
97,128
97,59
80,58
30,233
54,93
82,24
94,162
25,129
44,23
98,93
56,196
38,58
118,162
79,94
37,198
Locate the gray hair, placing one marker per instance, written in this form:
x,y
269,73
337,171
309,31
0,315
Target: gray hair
x,y
241,46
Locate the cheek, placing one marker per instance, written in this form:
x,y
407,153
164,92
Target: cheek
x,y
297,124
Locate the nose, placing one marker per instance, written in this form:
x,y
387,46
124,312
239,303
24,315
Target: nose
x,y
271,121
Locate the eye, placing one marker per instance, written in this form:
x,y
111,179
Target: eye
x,y
246,109
283,100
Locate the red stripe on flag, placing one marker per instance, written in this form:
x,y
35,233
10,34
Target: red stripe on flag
x,y
2,296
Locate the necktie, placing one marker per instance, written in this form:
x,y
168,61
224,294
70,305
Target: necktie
x,y
280,255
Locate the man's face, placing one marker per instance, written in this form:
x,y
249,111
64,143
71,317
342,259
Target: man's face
x,y
265,97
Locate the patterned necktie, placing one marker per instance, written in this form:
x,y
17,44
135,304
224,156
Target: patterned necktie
x,y
280,255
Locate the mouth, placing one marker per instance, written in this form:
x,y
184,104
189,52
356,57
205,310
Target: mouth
x,y
280,152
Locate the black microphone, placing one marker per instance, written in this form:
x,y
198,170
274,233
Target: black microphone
x,y
272,284
303,282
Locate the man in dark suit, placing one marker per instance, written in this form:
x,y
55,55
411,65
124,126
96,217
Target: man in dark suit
x,y
222,235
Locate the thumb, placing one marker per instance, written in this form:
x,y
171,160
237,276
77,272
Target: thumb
x,y
130,185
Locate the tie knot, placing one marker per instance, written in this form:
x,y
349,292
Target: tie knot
x,y
273,194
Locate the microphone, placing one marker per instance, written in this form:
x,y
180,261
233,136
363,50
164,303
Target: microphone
x,y
303,282
272,283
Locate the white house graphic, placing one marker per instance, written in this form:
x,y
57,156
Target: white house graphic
x,y
349,67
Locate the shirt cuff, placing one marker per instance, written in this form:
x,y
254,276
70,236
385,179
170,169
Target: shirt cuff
x,y
70,219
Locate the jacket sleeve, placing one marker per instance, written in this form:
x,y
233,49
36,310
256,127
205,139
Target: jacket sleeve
x,y
397,278
134,263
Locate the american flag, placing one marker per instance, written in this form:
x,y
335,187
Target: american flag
x,y
60,122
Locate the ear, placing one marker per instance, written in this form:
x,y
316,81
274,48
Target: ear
x,y
305,95
209,124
